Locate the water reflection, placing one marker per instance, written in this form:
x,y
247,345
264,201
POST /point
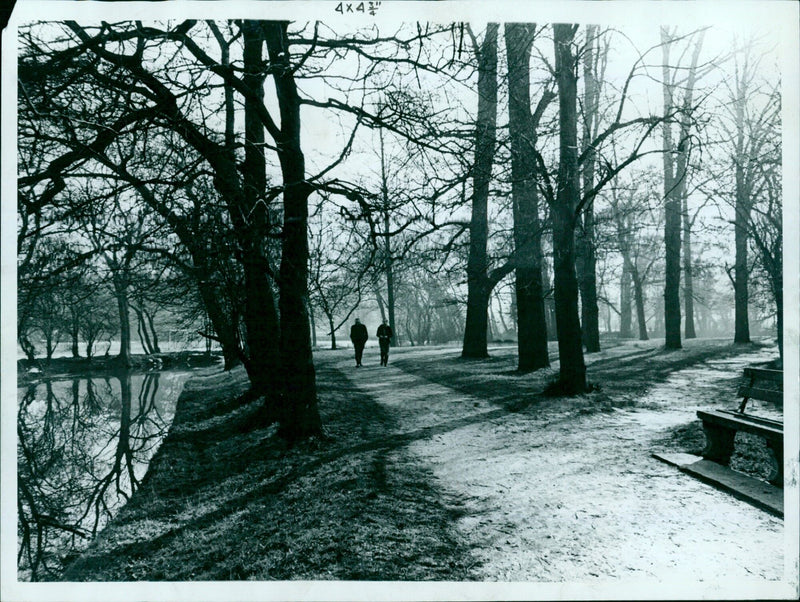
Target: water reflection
x,y
83,447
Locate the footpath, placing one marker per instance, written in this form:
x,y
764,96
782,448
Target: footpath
x,y
561,498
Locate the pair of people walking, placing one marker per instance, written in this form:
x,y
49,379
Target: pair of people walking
x,y
359,336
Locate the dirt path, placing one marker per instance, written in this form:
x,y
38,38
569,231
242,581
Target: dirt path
x,y
553,498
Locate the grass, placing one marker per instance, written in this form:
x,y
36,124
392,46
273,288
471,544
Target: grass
x,y
224,502
619,377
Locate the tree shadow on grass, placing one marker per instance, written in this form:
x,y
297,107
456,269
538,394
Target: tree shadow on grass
x,y
653,368
243,506
617,381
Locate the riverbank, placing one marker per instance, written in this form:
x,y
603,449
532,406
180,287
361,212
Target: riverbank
x,y
31,370
444,470
223,502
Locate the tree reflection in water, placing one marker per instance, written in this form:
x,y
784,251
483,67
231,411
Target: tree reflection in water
x,y
83,447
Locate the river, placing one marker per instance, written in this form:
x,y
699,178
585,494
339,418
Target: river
x,y
83,447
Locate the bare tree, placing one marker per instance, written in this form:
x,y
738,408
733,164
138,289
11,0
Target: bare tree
x,y
570,350
594,59
338,271
120,67
675,160
480,280
751,140
635,222
523,124
766,231
567,200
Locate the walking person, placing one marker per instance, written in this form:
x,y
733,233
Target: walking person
x,y
384,337
359,336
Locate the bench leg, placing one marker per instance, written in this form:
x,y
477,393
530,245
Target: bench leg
x,y
776,453
719,443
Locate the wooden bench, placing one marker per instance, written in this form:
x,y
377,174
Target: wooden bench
x,y
750,391
721,426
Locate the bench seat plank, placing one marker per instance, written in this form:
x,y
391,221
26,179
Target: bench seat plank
x,y
760,419
761,394
745,423
775,376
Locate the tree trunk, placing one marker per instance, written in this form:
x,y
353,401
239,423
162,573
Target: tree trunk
x,y
123,456
381,306
742,209
688,287
477,324
683,176
389,282
260,316
549,302
387,245
333,330
572,378
777,293
531,321
153,333
587,260
313,328
225,327
672,215
301,417
141,336
261,321
49,348
625,303
141,329
478,288
27,347
513,313
587,279
638,295
120,282
207,342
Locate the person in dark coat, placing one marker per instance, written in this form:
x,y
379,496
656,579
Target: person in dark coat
x,y
359,336
384,337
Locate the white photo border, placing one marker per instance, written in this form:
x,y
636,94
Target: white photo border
x,y
780,15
